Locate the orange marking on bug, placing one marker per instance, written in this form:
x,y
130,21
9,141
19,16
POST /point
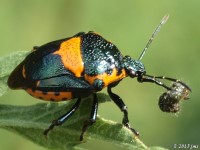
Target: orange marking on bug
x,y
50,96
70,54
107,79
23,71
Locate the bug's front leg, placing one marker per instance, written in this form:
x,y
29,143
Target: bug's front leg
x,y
119,102
152,79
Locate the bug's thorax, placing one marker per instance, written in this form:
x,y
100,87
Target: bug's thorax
x,y
106,78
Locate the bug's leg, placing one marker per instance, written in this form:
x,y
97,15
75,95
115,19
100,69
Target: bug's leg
x,y
119,102
174,80
152,79
148,78
92,118
64,117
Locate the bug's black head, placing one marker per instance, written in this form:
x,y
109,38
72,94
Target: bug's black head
x,y
134,68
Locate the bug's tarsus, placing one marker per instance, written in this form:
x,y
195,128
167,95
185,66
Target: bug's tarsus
x,y
125,121
92,118
53,124
63,118
163,21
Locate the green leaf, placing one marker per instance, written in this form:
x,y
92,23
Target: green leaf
x,y
31,121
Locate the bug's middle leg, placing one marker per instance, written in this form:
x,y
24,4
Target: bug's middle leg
x,y
92,118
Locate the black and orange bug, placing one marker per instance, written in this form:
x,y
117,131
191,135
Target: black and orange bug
x,y
77,67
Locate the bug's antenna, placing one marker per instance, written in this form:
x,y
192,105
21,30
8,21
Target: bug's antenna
x,y
163,21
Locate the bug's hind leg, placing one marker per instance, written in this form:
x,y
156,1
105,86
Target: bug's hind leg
x,y
63,118
92,118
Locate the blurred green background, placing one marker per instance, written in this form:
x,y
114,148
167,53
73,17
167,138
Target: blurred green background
x,y
129,24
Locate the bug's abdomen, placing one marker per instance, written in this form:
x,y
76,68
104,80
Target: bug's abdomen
x,y
50,96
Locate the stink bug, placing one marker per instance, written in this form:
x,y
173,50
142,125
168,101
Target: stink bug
x,y
76,67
